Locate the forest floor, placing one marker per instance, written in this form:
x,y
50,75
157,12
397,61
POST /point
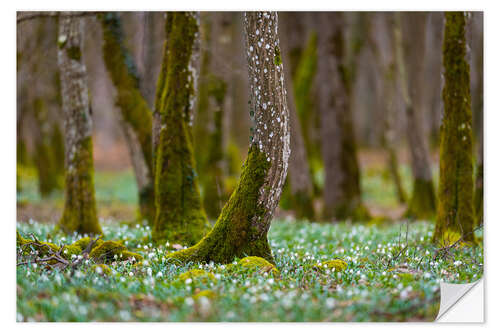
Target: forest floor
x,y
393,270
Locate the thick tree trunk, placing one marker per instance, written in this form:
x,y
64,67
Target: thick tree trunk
x,y
422,202
342,193
242,227
179,212
456,182
135,117
299,176
80,207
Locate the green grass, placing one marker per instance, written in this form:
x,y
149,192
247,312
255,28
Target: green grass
x,y
378,284
110,187
382,281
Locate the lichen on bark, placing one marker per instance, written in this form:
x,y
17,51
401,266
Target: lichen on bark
x,y
241,229
179,212
135,117
456,183
79,207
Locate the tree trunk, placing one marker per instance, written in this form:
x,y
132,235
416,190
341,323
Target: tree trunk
x,y
208,140
389,87
241,229
342,193
456,182
179,212
422,203
147,55
135,117
299,176
44,156
80,207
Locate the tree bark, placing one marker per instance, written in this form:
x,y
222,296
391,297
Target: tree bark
x,y
179,212
208,139
241,229
299,176
456,183
80,207
135,116
422,202
389,87
342,193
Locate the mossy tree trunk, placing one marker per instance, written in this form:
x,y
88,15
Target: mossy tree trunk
x,y
179,212
44,156
300,189
342,192
422,203
241,229
456,182
208,125
135,116
79,207
478,191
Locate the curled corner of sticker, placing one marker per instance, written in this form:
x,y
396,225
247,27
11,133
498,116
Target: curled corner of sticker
x,y
456,306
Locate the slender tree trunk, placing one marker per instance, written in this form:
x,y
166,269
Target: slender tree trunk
x,y
342,193
388,96
45,154
299,176
456,181
79,207
478,191
477,45
179,212
208,140
147,55
422,203
242,227
135,116
44,157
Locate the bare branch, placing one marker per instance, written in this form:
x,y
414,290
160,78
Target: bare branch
x,y
33,15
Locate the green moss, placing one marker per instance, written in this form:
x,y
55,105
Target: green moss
x,y
336,265
197,276
179,212
233,235
102,269
72,249
456,184
134,108
80,208
277,56
205,293
423,201
74,53
254,264
478,194
107,250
